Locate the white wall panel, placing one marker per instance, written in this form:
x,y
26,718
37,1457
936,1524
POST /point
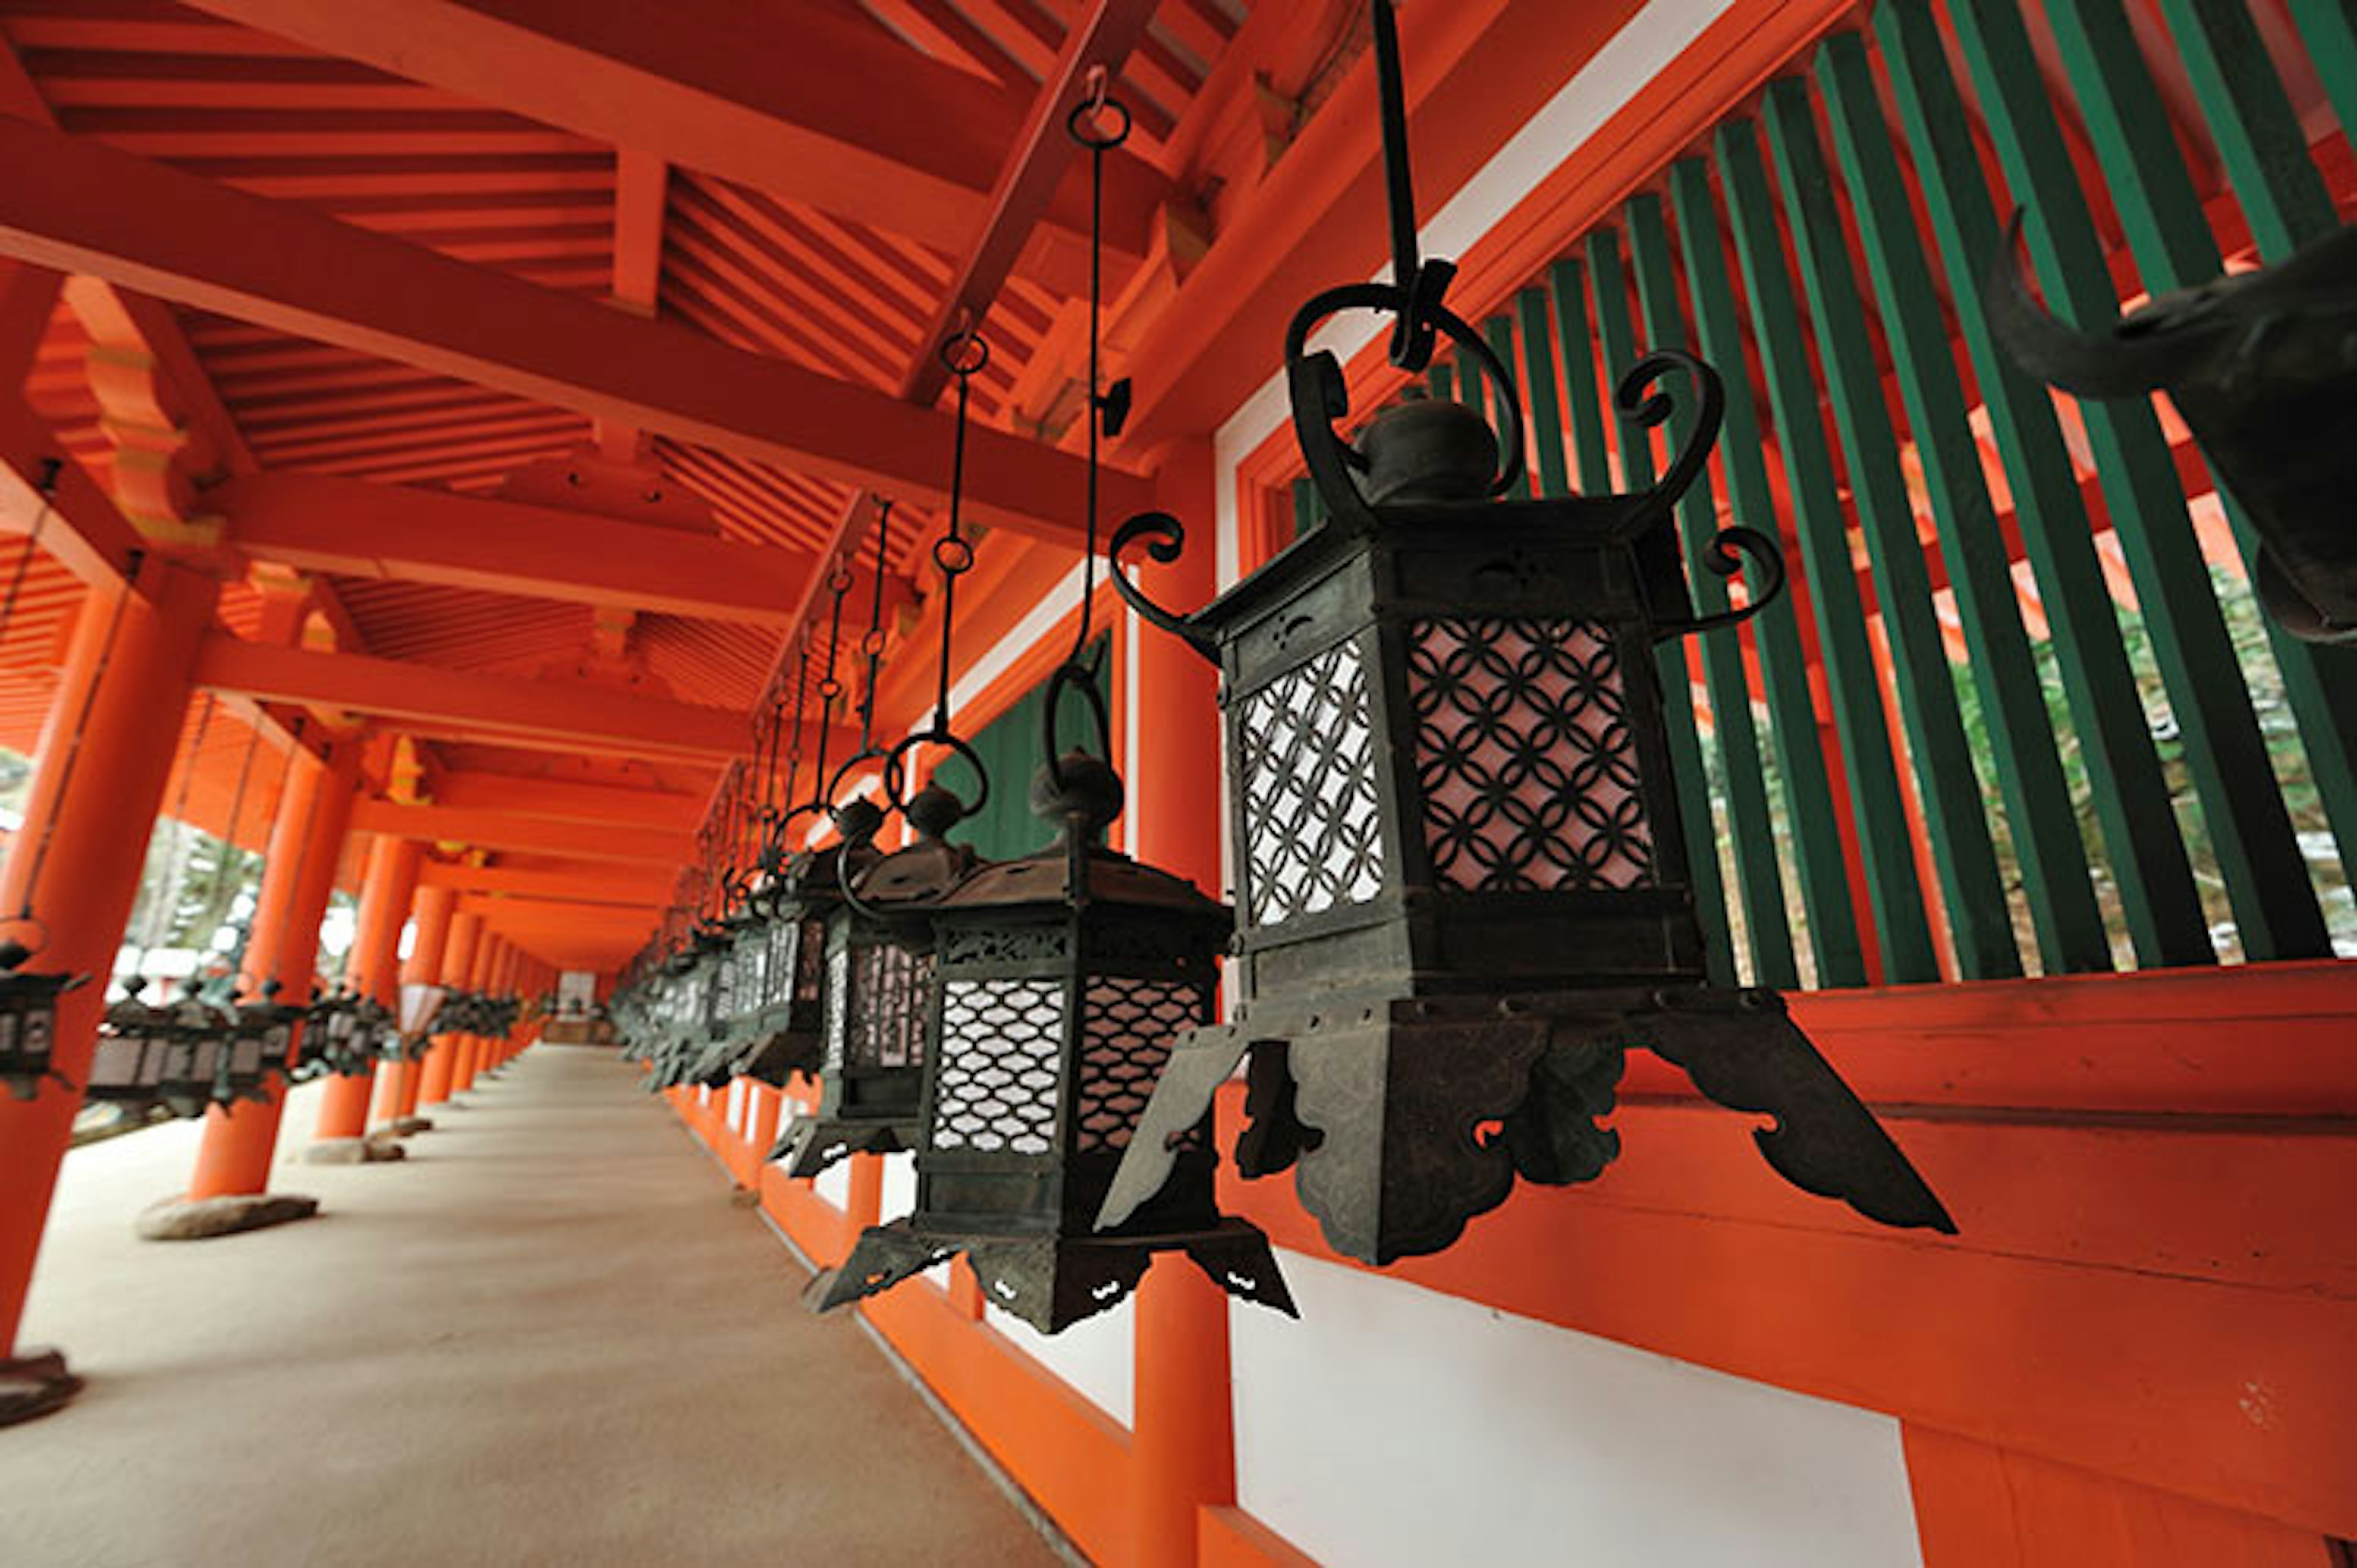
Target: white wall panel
x,y
1097,1356
1393,1424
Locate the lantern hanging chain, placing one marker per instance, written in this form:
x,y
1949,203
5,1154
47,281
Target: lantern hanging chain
x,y
795,741
873,643
73,746
286,778
830,688
229,852
170,897
1088,127
51,467
965,354
1100,122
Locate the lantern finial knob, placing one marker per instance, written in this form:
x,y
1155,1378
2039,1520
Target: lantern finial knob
x,y
1079,791
934,811
1428,449
858,821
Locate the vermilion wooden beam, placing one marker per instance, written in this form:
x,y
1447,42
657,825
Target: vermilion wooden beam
x,y
565,800
1027,184
541,714
354,529
631,886
84,532
523,835
281,265
801,97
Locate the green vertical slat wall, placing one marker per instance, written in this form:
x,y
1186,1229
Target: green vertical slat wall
x,y
1500,332
1537,370
1832,921
1618,351
1884,842
1955,812
2118,746
1751,828
2143,846
2243,811
2067,922
2287,205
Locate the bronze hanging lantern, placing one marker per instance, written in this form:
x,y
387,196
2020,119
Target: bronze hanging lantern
x,y
143,1055
872,1070
29,1022
261,1035
878,954
1062,980
2263,367
1462,891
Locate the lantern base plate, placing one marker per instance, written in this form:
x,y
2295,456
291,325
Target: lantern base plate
x,y
815,1142
35,1384
376,1149
198,1220
1054,1281
1406,1119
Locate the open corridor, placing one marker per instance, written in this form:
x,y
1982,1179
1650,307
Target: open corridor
x,y
545,1337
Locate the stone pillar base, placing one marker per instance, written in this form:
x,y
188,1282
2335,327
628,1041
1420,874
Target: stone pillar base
x,y
378,1146
408,1126
187,1219
33,1384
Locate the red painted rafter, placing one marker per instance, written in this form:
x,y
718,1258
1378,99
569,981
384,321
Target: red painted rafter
x,y
168,232
882,133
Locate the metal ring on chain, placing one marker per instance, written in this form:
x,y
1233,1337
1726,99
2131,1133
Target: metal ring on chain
x,y
1085,124
965,353
954,557
1073,675
842,581
895,772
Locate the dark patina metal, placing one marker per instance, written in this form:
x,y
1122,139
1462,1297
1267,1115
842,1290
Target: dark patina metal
x,y
1462,889
1061,981
878,958
2263,366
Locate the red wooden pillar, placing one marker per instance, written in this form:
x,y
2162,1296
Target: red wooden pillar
x,y
456,972
398,1084
76,861
1182,1445
372,969
306,841
466,1059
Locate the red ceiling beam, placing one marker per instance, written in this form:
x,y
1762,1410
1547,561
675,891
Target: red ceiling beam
x,y
523,835
351,528
628,887
563,799
1042,153
539,714
1476,72
801,97
78,206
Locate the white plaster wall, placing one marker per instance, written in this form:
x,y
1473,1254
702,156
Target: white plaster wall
x,y
1393,1424
833,1185
899,1196
738,1097
1097,1356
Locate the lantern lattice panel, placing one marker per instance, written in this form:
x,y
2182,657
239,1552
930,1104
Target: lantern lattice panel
x,y
888,1024
787,961
1313,826
1128,1030
1525,759
1001,1059
809,960
838,998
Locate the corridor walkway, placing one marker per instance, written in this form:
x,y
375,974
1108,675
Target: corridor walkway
x,y
544,1338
